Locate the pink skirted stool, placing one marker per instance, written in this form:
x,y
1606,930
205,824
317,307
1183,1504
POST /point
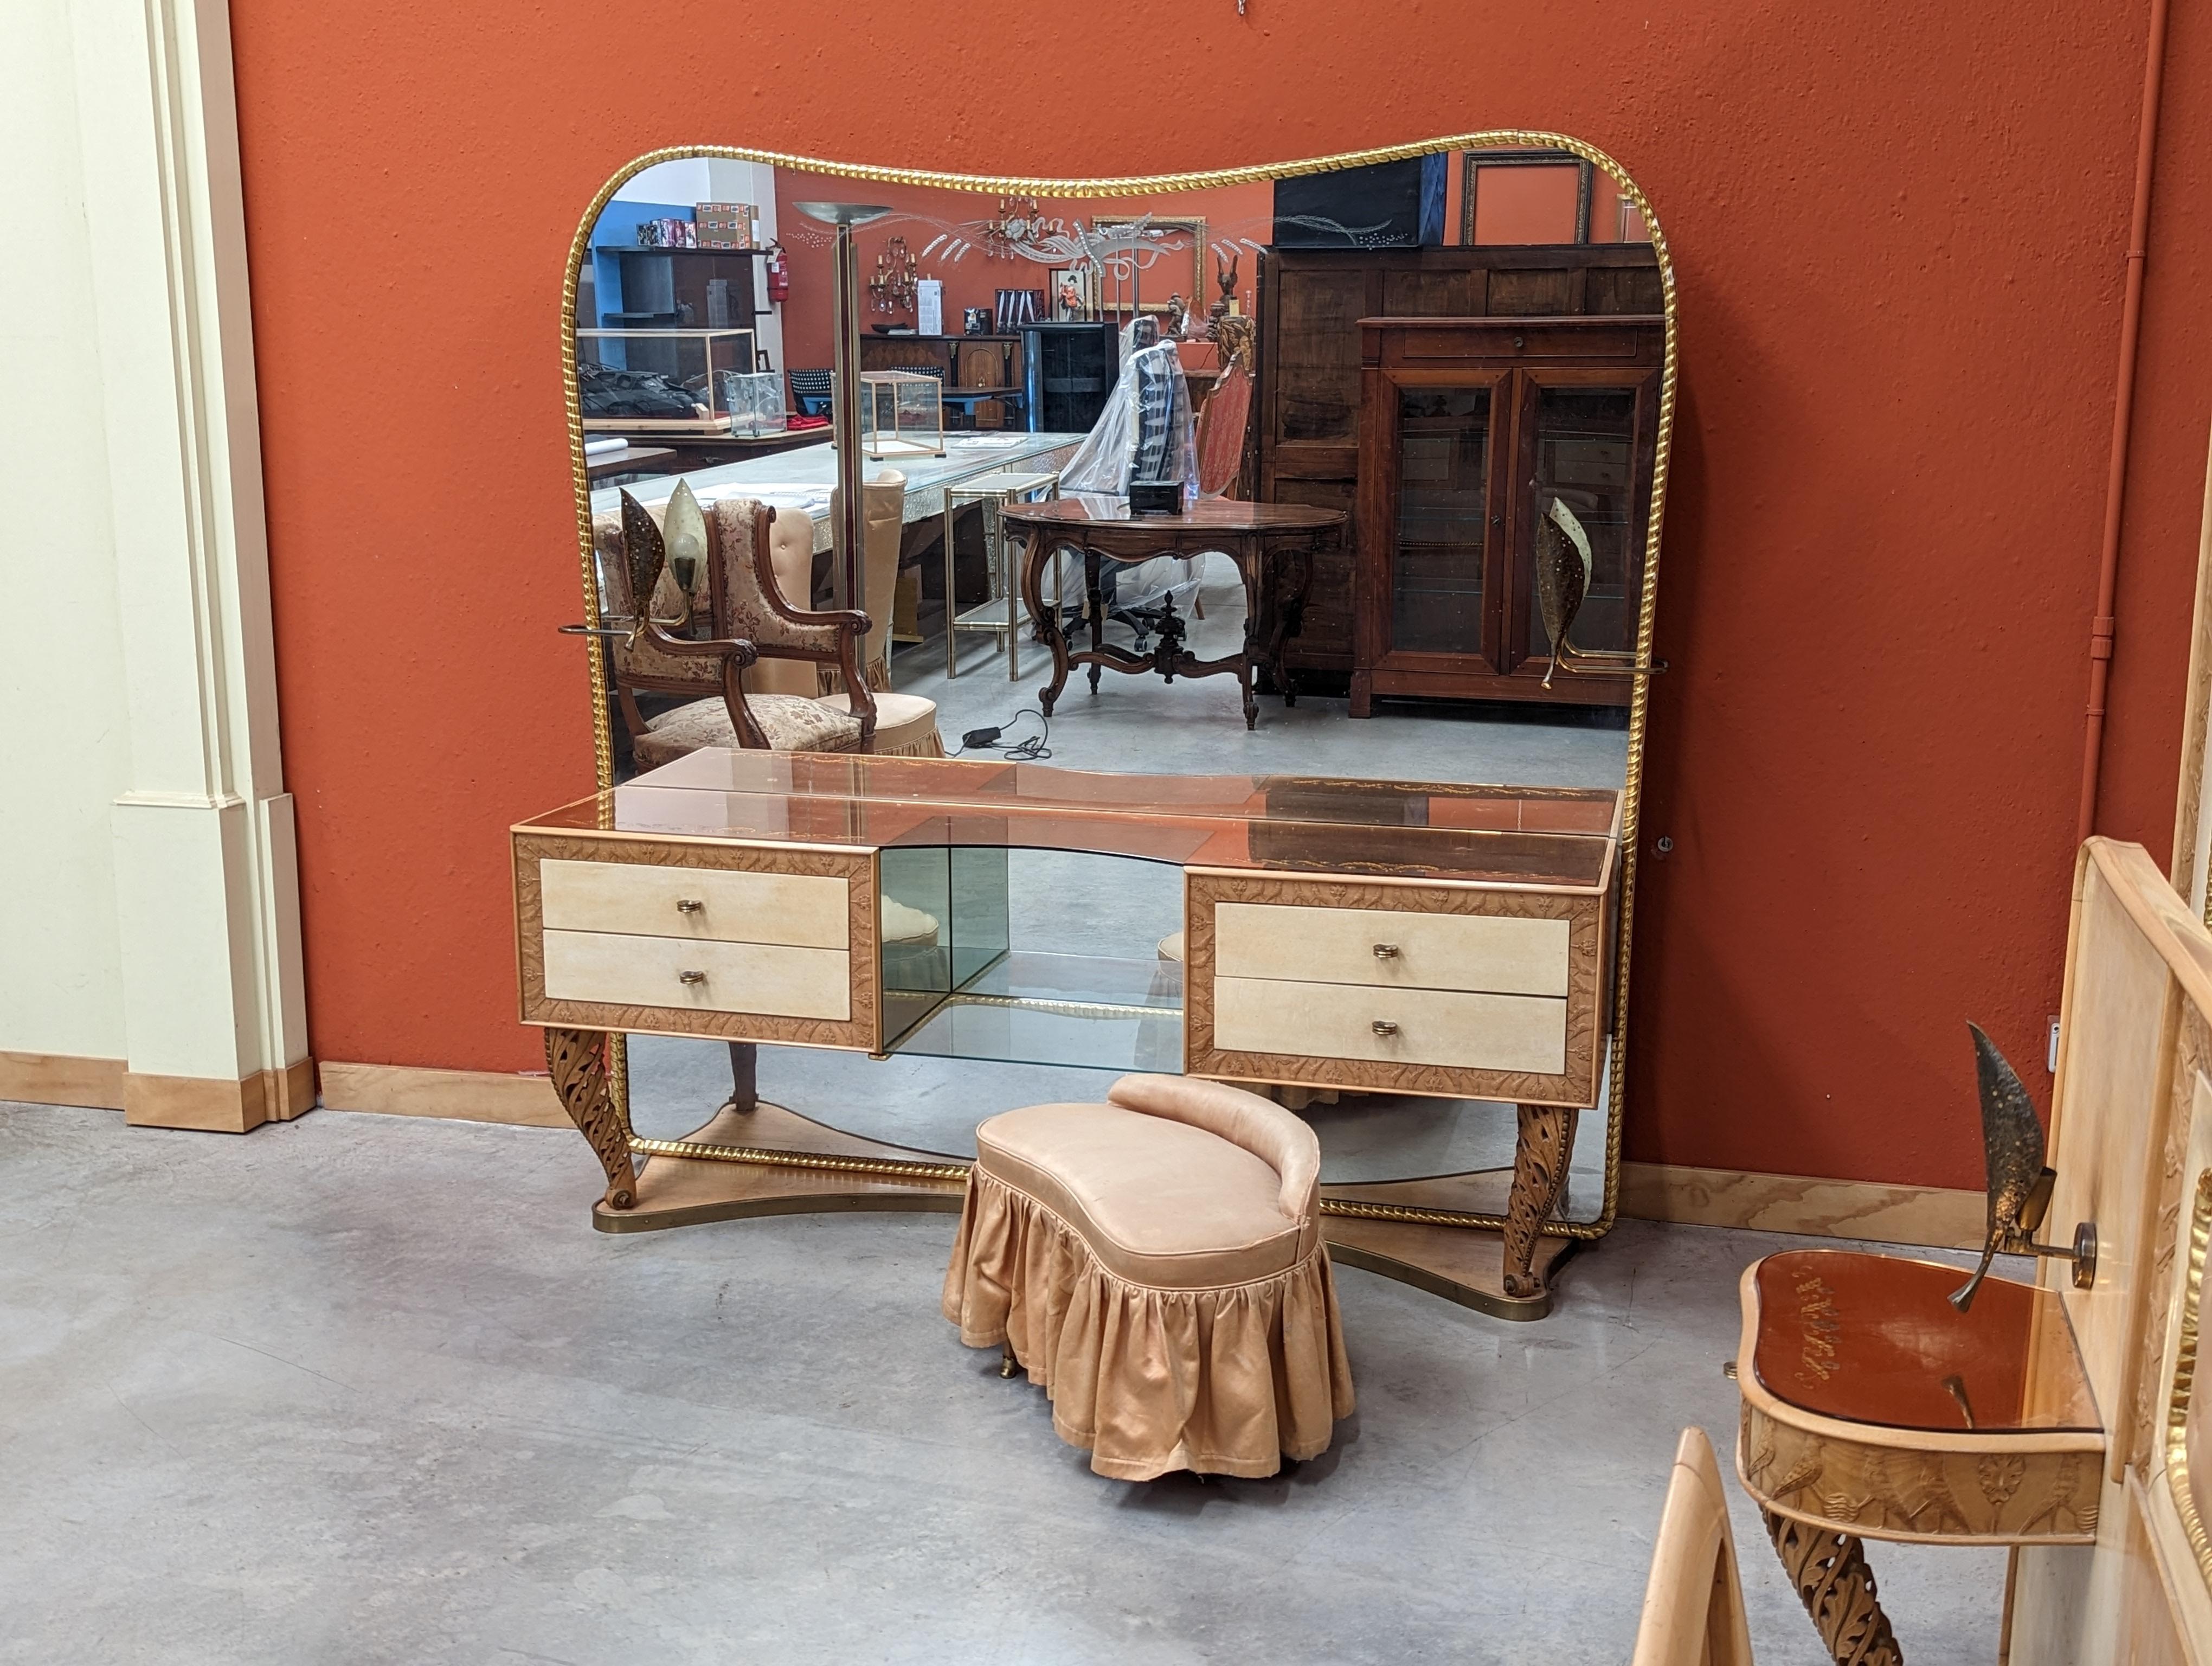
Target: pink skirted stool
x,y
1157,1266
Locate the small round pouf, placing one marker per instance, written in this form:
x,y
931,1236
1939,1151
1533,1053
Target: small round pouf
x,y
1156,1264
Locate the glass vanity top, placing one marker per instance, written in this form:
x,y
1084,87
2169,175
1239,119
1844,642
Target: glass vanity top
x,y
1558,837
1874,1339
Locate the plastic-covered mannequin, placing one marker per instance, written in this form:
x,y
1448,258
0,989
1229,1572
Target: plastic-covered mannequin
x,y
1145,433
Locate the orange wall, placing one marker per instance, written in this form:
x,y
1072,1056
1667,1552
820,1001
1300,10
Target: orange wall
x,y
973,280
1899,291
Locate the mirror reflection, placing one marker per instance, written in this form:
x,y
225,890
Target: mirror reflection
x,y
1289,490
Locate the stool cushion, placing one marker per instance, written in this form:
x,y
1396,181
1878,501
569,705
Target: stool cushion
x,y
1159,1202
1156,1263
906,724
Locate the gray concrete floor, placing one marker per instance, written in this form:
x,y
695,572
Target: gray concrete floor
x,y
368,1389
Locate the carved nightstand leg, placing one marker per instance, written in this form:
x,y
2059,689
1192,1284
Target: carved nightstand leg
x,y
1830,1574
1541,1152
578,1060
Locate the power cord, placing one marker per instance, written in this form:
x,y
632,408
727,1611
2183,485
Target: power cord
x,y
1032,751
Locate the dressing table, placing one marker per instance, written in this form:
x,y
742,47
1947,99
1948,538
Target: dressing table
x,y
1416,938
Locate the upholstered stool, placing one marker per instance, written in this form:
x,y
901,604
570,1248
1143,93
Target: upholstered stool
x,y
1156,1263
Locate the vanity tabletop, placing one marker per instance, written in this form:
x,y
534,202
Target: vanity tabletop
x,y
1550,838
1874,1340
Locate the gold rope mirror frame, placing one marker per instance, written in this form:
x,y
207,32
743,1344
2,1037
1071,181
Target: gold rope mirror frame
x,y
1135,185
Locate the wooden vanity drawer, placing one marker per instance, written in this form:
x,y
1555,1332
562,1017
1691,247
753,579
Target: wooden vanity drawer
x,y
1457,1030
1503,956
615,969
721,905
1496,989
783,937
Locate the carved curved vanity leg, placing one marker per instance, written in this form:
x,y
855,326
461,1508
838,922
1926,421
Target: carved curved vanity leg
x,y
1540,1150
578,1060
1829,1572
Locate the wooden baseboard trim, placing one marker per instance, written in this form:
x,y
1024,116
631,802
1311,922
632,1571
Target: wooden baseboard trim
x,y
215,1106
57,1078
162,1102
468,1096
1930,1216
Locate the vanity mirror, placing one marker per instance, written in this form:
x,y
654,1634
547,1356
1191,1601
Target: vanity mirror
x,y
1209,717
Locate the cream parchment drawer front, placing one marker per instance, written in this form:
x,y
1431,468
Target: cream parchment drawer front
x,y
744,940
1457,988
1455,1028
1391,949
707,976
724,905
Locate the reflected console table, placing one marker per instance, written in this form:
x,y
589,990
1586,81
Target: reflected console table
x,y
1442,940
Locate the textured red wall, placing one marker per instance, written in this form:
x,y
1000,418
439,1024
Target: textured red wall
x,y
1898,233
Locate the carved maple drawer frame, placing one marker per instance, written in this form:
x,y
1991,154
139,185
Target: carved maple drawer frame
x,y
1584,911
861,1031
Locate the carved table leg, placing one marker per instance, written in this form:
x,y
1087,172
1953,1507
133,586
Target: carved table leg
x,y
744,1075
578,1060
1250,562
1094,600
1828,1570
1546,1138
1047,625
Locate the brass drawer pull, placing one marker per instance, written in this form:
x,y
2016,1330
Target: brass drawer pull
x,y
1384,1027
1386,951
690,905
690,977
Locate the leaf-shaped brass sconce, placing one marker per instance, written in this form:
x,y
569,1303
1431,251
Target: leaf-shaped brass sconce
x,y
683,534
1563,577
2019,1184
644,557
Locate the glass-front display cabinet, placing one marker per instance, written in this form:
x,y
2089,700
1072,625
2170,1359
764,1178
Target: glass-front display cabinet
x,y
1476,434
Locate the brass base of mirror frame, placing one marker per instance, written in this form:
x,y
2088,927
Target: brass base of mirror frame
x,y
1461,1264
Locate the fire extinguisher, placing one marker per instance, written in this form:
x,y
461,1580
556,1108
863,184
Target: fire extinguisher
x,y
778,274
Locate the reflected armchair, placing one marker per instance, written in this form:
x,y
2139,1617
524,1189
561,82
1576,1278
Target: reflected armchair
x,y
752,623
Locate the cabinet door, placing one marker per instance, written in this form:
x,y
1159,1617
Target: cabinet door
x,y
1443,473
1586,438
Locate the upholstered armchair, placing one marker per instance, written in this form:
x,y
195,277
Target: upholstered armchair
x,y
751,624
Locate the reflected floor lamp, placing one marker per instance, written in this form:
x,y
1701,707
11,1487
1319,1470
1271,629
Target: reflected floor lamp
x,y
850,568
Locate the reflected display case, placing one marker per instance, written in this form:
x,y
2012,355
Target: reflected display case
x,y
901,415
642,373
1473,432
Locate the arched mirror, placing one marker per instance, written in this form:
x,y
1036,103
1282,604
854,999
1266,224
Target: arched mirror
x,y
1214,530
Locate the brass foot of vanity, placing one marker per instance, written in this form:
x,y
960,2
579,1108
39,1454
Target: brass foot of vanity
x,y
1463,1264
578,1060
1828,1570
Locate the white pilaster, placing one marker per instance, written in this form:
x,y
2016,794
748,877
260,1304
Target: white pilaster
x,y
206,883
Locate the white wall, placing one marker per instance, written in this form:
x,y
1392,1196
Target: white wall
x,y
717,179
149,902
64,733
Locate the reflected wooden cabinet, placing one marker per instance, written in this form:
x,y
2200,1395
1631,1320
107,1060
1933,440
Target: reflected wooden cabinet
x,y
1308,428
1470,430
